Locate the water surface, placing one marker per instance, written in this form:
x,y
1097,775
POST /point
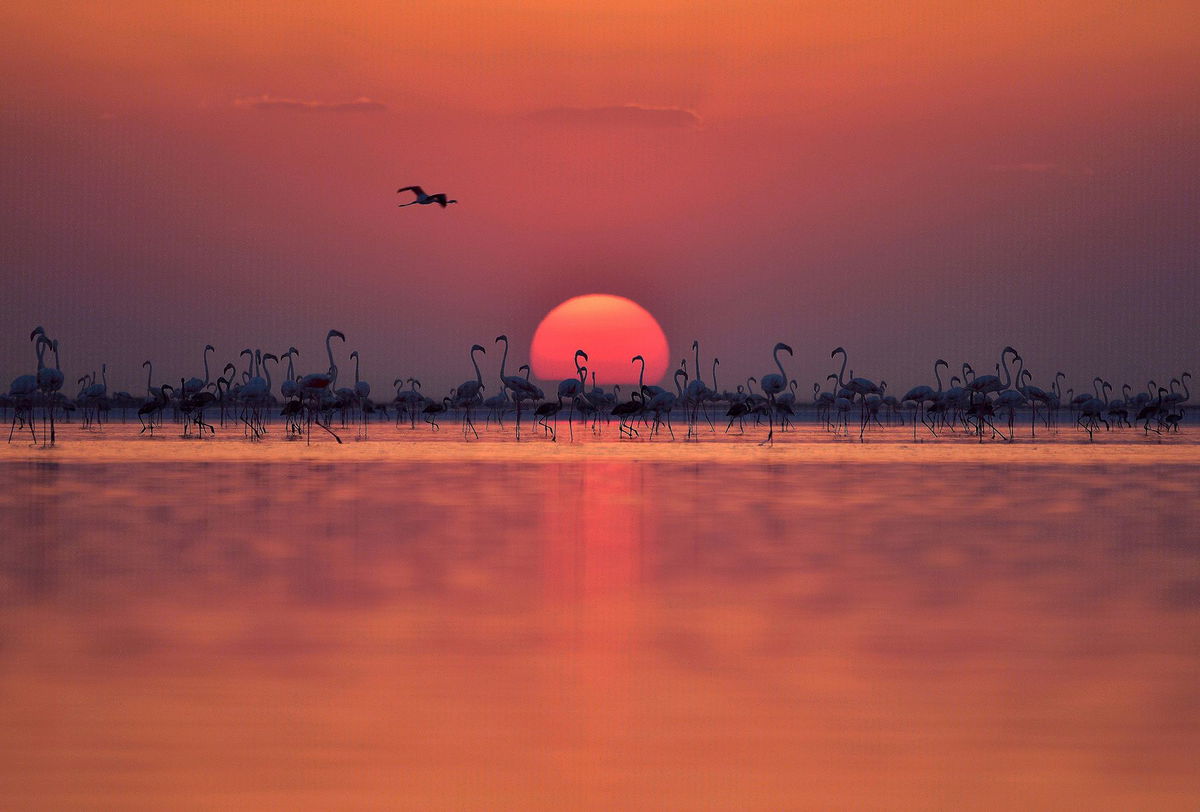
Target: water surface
x,y
422,622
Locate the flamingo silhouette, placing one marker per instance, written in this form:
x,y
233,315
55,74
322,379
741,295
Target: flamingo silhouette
x,y
424,199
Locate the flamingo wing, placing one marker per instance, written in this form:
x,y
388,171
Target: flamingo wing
x,y
417,190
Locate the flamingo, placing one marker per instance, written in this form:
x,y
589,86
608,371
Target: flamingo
x,y
570,389
289,388
920,394
1174,398
433,409
423,199
1152,409
315,384
773,384
697,393
626,411
50,381
194,385
855,386
663,402
599,400
1091,407
468,393
154,406
550,408
520,387
24,387
323,380
93,394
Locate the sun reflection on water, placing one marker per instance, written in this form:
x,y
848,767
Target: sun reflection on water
x,y
231,627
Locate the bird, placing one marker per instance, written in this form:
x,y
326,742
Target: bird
x,y
549,409
316,384
424,199
323,380
289,388
773,384
194,385
571,388
468,394
520,387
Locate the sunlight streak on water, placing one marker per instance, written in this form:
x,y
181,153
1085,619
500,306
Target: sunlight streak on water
x,y
438,624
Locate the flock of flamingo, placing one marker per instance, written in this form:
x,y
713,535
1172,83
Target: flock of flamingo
x,y
981,406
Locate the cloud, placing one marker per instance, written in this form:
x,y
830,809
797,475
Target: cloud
x,y
1041,168
625,115
264,102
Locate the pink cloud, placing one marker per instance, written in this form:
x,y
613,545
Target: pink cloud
x,y
265,102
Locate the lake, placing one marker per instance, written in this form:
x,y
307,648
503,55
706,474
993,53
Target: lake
x,y
419,621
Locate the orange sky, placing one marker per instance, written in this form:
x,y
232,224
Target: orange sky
x,y
909,180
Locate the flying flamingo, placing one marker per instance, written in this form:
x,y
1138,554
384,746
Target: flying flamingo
x,y
424,199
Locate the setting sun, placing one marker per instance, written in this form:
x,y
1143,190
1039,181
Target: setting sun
x,y
610,329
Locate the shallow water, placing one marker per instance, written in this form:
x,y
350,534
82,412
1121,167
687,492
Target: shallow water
x,y
418,621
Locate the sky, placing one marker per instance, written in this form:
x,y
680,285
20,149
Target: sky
x,y
907,180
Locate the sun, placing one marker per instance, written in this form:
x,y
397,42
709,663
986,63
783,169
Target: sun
x,y
610,329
